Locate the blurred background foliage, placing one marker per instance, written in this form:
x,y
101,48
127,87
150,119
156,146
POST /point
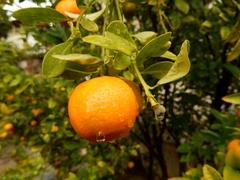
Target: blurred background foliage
x,y
197,124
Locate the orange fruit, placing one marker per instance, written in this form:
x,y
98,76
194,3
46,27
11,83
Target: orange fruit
x,y
3,135
104,108
10,98
130,164
33,123
8,127
67,6
37,112
233,154
233,144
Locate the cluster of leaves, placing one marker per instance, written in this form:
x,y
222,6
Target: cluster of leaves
x,y
42,134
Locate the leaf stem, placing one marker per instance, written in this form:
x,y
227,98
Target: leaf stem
x,y
146,87
117,6
160,17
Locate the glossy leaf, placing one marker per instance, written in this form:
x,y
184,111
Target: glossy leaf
x,y
234,34
51,66
121,61
33,16
233,98
111,41
145,36
154,48
180,68
88,24
158,70
182,5
209,173
94,16
224,32
82,69
233,69
169,55
120,29
235,52
79,58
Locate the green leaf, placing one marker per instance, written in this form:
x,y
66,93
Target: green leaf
x,y
206,24
17,80
230,173
96,15
180,68
184,148
82,69
182,5
121,61
224,32
79,58
80,2
120,29
33,16
111,41
233,69
233,98
234,53
209,173
72,176
145,36
52,67
88,25
158,70
169,55
22,88
210,135
154,48
128,75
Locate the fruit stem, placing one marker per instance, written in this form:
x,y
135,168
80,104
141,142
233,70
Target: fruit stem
x,y
146,87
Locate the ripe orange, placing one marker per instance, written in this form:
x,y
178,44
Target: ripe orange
x,y
233,144
3,135
8,127
233,154
37,112
10,98
130,164
104,108
67,6
33,123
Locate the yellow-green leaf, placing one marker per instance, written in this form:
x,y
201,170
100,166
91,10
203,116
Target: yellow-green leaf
x,y
182,5
180,67
158,70
88,25
111,41
154,48
233,98
234,53
209,173
79,58
145,36
51,66
36,15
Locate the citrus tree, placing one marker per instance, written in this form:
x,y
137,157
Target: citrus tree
x,y
143,42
